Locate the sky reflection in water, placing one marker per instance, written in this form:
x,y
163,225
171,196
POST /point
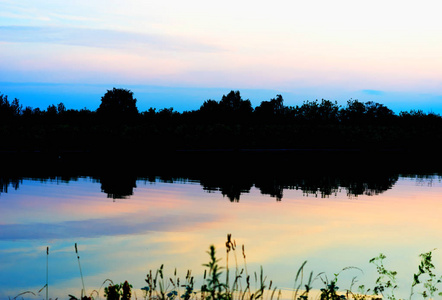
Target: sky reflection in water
x,y
174,224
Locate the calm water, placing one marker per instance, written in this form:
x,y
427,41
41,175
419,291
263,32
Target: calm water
x,y
125,226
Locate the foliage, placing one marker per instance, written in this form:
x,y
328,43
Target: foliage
x,y
274,107
231,123
118,102
118,291
232,103
214,288
72,297
386,282
426,267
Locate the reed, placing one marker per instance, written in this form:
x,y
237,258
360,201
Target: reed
x,y
47,272
213,288
217,287
83,292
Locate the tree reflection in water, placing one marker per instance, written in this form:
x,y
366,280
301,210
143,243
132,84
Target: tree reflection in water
x,y
121,186
318,174
118,185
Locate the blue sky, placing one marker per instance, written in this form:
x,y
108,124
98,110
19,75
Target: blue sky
x,y
179,54
78,96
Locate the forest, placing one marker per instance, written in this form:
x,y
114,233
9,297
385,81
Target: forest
x,y
229,124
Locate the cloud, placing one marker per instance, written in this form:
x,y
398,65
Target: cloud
x,y
373,92
102,38
98,227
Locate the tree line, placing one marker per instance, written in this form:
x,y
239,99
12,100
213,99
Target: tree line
x,y
230,123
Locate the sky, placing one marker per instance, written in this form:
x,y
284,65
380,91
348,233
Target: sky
x,y
180,53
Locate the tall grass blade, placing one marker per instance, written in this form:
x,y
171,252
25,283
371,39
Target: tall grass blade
x,y
83,292
296,288
27,292
47,272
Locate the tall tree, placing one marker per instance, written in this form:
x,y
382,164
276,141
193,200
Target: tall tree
x,y
118,103
233,103
274,107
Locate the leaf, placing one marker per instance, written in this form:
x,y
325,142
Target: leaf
x,y
416,279
299,270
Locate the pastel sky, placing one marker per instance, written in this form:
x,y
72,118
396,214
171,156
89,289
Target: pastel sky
x,y
181,53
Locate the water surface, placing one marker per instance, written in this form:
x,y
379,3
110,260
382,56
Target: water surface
x,y
124,226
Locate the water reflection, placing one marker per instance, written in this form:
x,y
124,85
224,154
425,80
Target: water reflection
x,y
6,182
233,174
173,219
121,186
117,185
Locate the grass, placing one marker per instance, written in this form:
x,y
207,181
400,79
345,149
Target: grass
x,y
237,284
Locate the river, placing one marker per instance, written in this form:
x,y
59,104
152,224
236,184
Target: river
x,y
125,225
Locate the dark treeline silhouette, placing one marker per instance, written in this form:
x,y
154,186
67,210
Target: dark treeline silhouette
x,y
121,187
231,123
231,173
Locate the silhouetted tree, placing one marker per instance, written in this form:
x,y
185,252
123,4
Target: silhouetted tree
x,y
328,111
230,123
233,103
61,108
417,114
150,113
358,112
118,103
231,109
9,109
353,112
51,110
323,112
166,113
378,111
274,107
210,107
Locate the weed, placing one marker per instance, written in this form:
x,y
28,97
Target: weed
x,y
426,267
47,272
386,281
118,291
214,288
83,291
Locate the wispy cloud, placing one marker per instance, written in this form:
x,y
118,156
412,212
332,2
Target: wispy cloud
x,y
98,227
373,92
102,38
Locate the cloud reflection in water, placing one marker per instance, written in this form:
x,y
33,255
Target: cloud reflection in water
x,y
174,223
